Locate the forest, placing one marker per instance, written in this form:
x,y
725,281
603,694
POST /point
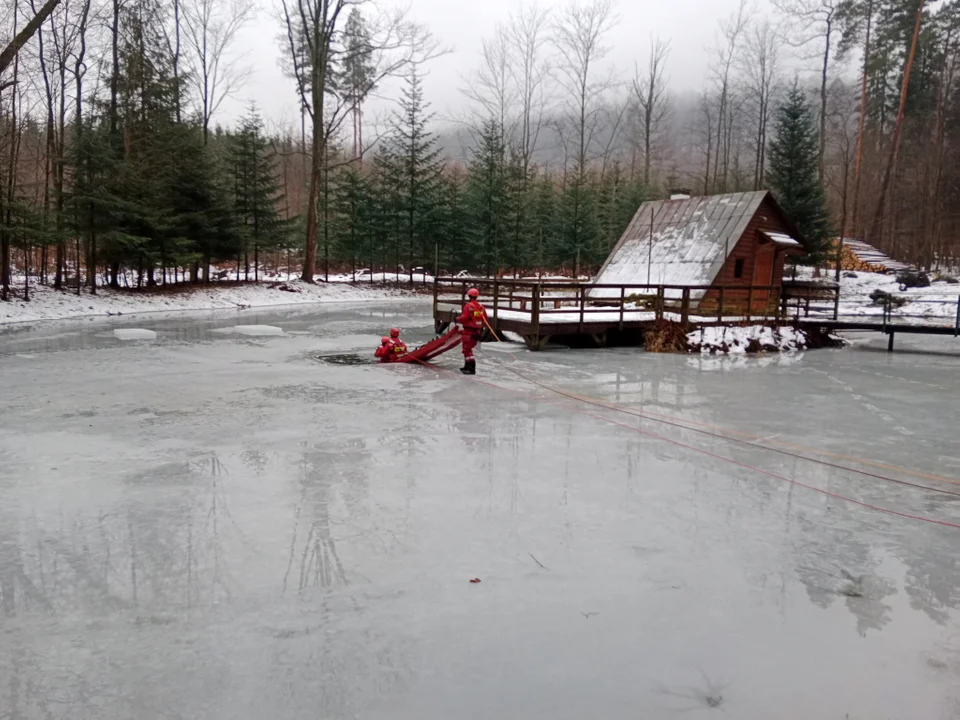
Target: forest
x,y
115,170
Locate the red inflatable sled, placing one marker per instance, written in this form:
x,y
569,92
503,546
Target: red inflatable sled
x,y
435,347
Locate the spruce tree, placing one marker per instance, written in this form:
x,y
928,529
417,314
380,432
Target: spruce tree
x,y
792,173
255,188
545,222
578,240
486,199
410,167
355,212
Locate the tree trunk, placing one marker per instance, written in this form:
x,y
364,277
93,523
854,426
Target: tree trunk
x,y
823,100
853,229
877,226
9,53
115,50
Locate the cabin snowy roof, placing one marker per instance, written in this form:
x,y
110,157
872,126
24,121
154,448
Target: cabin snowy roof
x,y
680,242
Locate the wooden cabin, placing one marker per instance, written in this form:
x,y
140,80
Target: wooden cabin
x,y
732,241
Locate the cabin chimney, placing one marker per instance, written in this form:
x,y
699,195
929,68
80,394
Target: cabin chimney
x,y
680,194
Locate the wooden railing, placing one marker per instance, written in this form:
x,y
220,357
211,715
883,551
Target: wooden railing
x,y
586,301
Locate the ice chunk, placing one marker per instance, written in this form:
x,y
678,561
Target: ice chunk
x,y
134,334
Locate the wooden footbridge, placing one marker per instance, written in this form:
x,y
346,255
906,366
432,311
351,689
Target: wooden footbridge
x,y
584,314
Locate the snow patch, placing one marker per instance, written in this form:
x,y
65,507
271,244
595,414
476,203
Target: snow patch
x,y
251,330
743,340
49,304
134,334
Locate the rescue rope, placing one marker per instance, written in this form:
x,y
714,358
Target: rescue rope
x,y
627,411
717,456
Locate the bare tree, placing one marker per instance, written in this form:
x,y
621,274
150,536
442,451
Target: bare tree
x,y
578,37
529,71
210,27
725,55
841,154
312,30
650,96
20,39
760,66
491,89
810,22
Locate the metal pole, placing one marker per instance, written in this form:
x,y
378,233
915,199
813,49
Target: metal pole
x,y
650,248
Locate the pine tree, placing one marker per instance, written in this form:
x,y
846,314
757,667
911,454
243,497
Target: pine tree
x,y
792,174
517,196
412,164
357,72
256,191
355,213
451,230
578,240
486,199
544,220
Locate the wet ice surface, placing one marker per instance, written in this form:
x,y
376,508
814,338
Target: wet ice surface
x,y
217,525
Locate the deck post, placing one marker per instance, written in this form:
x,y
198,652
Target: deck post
x,y
535,315
956,326
660,301
720,306
890,342
582,299
749,302
496,301
436,293
776,303
685,306
623,299
836,302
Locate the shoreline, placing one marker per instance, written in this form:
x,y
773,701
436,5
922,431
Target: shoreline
x,y
64,305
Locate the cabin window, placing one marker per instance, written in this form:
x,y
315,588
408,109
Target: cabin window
x,y
738,268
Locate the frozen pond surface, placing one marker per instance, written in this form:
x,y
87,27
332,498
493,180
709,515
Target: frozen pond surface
x,y
220,525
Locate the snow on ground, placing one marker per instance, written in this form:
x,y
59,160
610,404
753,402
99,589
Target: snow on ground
x,y
742,340
932,304
49,304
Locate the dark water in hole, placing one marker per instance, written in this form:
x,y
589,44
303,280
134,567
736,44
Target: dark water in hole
x,y
346,359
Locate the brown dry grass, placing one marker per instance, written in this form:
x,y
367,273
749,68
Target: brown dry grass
x,y
665,336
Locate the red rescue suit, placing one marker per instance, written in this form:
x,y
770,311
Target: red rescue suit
x,y
472,320
390,349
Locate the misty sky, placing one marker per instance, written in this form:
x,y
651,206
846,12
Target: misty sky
x,y
690,25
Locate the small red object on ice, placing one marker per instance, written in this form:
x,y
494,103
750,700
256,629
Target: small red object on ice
x,y
475,580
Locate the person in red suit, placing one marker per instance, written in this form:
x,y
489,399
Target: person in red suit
x,y
472,321
398,346
385,352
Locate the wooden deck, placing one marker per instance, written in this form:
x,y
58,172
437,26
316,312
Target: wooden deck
x,y
584,314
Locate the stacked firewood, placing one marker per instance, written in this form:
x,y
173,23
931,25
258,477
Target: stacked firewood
x,y
849,261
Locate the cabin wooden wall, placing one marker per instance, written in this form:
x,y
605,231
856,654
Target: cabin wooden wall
x,y
765,219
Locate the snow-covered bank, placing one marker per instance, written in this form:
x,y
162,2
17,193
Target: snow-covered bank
x,y
752,339
862,295
49,304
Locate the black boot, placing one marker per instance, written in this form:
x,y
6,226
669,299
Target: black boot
x,y
469,367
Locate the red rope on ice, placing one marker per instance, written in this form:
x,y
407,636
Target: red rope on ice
x,y
708,453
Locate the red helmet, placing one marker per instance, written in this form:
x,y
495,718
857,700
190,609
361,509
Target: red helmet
x,y
384,340
395,332
473,293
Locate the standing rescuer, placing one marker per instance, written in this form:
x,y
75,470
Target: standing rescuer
x,y
472,320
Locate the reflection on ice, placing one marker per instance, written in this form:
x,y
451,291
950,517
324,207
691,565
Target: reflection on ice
x,y
235,530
